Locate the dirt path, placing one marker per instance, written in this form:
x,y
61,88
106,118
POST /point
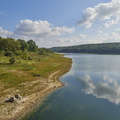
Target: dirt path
x,y
53,76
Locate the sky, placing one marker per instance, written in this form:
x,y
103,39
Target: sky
x,y
52,23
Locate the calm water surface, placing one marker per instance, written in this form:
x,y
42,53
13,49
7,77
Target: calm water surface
x,y
92,91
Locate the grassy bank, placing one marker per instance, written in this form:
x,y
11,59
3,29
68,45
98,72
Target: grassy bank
x,y
27,77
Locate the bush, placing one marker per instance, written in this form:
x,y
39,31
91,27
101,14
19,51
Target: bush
x,y
18,53
24,56
29,58
12,59
9,54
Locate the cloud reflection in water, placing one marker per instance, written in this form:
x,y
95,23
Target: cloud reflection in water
x,y
107,88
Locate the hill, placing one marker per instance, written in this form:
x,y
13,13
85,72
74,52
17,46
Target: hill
x,y
102,48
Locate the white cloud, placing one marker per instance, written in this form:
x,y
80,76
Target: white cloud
x,y
82,36
111,22
66,41
72,40
108,88
113,34
40,29
4,33
104,11
107,37
99,32
117,29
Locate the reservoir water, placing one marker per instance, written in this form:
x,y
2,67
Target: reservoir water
x,y
91,92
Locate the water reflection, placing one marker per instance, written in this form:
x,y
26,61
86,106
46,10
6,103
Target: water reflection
x,y
96,75
105,86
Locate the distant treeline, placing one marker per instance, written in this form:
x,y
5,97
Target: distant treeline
x,y
11,46
103,48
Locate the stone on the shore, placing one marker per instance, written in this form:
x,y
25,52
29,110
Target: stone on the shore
x,y
17,96
12,99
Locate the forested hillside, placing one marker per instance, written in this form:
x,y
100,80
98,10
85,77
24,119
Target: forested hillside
x,y
103,48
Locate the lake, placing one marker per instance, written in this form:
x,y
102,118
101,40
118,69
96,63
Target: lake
x,y
91,92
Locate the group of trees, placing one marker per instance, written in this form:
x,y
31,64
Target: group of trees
x,y
12,45
13,48
103,48
43,51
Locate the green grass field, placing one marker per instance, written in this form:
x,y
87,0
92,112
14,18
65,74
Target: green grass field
x,y
18,77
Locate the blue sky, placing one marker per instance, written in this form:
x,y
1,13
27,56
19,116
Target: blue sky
x,y
61,22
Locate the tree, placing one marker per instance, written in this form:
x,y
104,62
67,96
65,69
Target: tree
x,y
8,44
23,45
32,47
44,51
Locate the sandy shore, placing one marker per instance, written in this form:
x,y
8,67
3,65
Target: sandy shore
x,y
15,111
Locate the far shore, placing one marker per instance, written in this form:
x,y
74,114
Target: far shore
x,y
28,103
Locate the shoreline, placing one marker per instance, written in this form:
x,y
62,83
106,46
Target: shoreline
x,y
41,96
30,102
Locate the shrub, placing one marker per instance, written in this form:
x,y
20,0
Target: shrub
x,y
9,54
12,59
24,56
29,58
18,53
